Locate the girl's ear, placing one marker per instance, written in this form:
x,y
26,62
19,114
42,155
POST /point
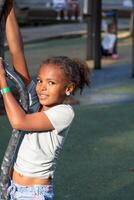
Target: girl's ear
x,y
70,89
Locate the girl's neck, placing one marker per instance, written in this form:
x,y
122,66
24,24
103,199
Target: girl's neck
x,y
44,108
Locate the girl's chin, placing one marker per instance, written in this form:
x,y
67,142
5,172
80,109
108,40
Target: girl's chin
x,y
42,102
45,103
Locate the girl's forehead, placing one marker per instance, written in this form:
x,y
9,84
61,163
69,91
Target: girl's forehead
x,y
51,71
50,67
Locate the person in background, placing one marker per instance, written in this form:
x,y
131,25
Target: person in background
x,y
108,45
60,6
74,7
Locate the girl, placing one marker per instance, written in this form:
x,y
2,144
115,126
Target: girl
x,y
109,40
45,130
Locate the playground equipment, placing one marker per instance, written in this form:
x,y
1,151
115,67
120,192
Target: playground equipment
x,y
16,136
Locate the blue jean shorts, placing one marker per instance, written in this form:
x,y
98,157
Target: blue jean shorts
x,y
60,6
36,192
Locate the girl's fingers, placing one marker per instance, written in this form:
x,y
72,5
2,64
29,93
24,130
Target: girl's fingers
x,y
0,61
1,64
2,71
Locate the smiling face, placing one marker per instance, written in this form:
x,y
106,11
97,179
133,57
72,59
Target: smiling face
x,y
52,86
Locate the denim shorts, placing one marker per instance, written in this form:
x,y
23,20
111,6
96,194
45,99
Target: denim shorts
x,y
60,6
36,192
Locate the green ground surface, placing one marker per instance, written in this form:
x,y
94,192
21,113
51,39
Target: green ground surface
x,y
98,155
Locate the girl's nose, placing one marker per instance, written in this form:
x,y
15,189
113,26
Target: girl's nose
x,y
44,87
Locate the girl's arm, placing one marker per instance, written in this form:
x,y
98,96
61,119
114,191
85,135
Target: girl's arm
x,y
16,115
15,42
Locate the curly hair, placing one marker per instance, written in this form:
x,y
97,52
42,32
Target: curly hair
x,y
75,70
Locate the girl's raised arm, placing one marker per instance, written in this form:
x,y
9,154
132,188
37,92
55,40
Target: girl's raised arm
x,y
15,42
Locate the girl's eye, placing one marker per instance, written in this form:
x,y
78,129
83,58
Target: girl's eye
x,y
51,83
38,80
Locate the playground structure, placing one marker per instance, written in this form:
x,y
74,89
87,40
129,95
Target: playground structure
x,y
16,136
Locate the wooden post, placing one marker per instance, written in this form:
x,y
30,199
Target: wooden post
x,y
89,19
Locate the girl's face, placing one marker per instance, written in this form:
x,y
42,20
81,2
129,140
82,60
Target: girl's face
x,y
51,86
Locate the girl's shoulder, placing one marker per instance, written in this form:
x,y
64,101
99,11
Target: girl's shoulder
x,y
62,108
61,116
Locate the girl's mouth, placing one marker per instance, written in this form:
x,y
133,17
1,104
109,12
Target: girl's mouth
x,y
43,96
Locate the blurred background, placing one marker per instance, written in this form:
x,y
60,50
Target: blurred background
x,y
45,11
37,12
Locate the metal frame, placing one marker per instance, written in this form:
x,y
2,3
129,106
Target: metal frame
x,y
16,136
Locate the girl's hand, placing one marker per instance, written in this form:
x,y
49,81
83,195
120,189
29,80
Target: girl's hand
x,y
2,71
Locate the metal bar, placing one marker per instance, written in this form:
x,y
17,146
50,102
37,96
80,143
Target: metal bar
x,y
15,137
115,21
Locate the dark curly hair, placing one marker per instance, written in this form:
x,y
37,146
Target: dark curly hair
x,y
75,70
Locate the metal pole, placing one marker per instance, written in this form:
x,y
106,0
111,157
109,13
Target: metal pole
x,y
97,7
115,21
16,134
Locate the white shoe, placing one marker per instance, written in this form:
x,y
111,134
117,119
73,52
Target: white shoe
x,y
73,18
80,18
66,18
58,18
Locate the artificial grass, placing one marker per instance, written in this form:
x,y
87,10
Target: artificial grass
x,y
121,89
97,157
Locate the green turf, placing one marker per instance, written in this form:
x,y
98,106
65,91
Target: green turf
x,y
98,154
121,89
